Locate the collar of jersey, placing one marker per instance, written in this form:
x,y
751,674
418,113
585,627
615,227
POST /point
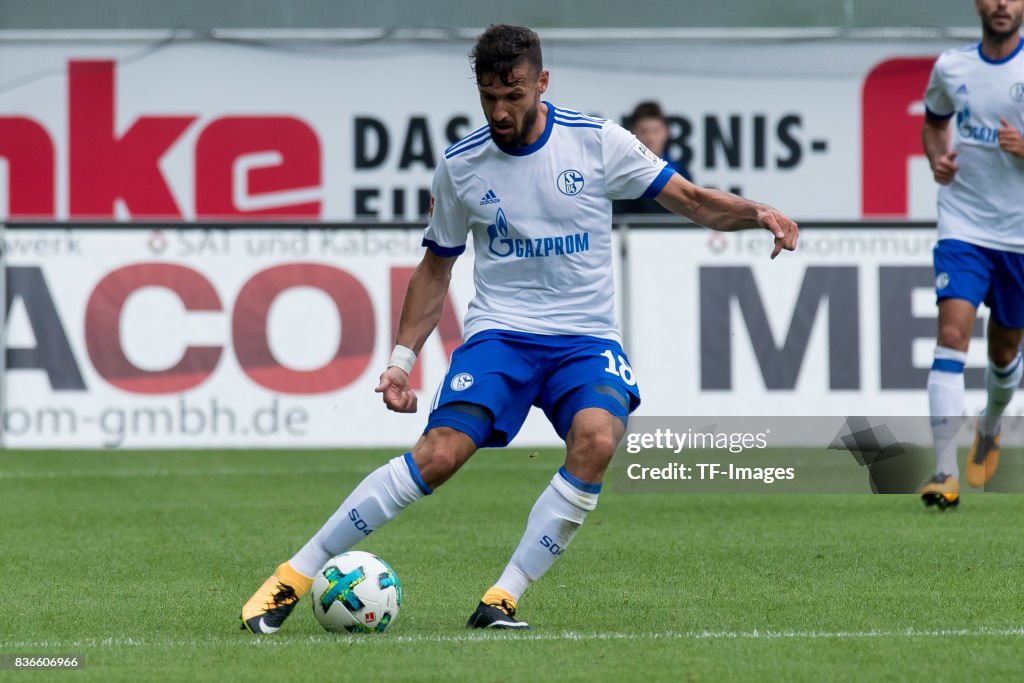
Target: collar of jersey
x,y
536,144
1004,60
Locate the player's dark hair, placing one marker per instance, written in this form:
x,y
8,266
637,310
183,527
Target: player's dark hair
x,y
645,110
502,48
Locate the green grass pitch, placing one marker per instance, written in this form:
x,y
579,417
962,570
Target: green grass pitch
x,y
141,561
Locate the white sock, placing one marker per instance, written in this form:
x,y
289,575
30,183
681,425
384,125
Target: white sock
x,y
946,406
556,517
1000,383
378,499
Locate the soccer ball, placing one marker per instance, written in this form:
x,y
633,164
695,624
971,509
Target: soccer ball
x,y
356,592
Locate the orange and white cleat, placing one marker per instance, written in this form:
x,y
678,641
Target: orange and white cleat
x,y
271,604
983,458
942,490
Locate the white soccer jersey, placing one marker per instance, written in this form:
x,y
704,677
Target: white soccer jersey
x,y
541,218
984,204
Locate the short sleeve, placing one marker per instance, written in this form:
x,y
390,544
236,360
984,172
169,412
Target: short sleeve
x,y
448,225
631,170
937,102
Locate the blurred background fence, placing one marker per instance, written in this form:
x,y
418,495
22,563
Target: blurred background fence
x,y
346,14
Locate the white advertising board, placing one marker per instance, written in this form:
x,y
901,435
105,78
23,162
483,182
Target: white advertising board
x,y
245,131
843,326
212,337
276,337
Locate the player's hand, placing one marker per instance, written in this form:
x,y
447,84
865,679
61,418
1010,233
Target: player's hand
x,y
945,168
783,227
394,385
1010,140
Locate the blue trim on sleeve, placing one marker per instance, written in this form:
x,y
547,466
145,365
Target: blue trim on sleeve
x,y
474,135
570,114
936,116
414,470
577,124
464,148
946,365
536,144
578,483
1004,60
659,183
446,252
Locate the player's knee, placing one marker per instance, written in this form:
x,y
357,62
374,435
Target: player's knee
x,y
952,336
597,444
1002,355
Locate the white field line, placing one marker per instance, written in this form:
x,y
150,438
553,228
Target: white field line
x,y
129,473
245,640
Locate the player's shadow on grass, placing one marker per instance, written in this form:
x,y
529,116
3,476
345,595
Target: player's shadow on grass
x,y
893,466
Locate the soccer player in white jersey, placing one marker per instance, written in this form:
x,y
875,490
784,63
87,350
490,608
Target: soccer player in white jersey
x,y
533,188
980,253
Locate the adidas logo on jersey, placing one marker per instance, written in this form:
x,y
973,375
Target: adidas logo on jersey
x,y
962,90
489,198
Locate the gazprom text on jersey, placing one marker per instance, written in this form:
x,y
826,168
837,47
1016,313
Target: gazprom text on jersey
x,y
541,246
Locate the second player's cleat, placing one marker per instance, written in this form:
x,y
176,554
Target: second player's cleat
x,y
271,604
501,616
942,490
983,458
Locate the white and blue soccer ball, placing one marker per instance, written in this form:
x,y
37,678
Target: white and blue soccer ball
x,y
356,592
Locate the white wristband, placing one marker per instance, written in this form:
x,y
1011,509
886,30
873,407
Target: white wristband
x,y
402,357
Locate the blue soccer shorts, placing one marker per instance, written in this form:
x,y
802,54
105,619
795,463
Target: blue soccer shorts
x,y
975,274
497,375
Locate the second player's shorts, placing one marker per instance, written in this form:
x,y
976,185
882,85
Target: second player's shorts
x,y
508,372
975,274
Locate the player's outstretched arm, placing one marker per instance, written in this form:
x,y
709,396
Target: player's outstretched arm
x,y
727,212
424,300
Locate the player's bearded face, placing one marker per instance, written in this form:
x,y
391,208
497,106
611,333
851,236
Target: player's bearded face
x,y
512,110
1001,19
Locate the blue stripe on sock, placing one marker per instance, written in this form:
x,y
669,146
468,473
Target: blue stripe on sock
x,y
946,365
579,483
1003,374
414,470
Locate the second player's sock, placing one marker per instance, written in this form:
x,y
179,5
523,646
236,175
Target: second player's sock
x,y
378,499
946,406
556,517
1000,383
